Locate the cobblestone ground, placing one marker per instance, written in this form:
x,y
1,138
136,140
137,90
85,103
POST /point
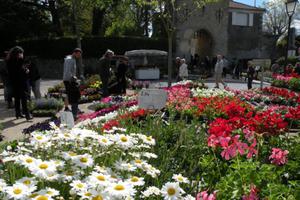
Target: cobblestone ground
x,y
12,128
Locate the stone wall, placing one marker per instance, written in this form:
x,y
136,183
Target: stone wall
x,y
213,18
245,42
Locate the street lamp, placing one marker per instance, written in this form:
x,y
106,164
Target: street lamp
x,y
290,6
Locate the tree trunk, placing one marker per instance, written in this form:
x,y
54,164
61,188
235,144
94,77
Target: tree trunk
x,y
77,33
55,18
98,16
170,48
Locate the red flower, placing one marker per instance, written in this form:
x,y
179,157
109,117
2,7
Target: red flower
x,y
278,156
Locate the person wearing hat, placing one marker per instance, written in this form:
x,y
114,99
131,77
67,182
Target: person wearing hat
x,y
104,70
18,76
71,82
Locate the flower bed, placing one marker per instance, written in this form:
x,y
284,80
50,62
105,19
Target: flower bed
x,y
228,149
45,107
90,90
291,81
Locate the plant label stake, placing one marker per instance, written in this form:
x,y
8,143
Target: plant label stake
x,y
153,99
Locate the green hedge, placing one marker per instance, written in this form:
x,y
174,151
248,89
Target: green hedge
x,y
92,46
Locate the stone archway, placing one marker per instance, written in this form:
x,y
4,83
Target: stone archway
x,y
203,43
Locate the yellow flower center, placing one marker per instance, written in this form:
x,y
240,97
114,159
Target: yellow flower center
x,y
101,178
43,166
29,160
27,182
149,138
134,179
69,173
79,185
72,154
119,187
33,195
97,198
171,191
124,139
50,193
39,137
17,191
83,160
88,194
67,135
104,140
180,178
138,161
42,198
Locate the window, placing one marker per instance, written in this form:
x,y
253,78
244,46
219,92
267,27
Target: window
x,y
242,19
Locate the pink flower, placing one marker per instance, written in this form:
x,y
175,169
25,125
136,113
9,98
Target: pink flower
x,y
278,156
205,196
251,149
253,193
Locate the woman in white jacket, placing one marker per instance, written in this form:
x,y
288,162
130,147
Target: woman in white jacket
x,y
183,70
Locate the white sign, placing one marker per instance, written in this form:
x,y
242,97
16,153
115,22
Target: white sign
x,y
152,98
67,119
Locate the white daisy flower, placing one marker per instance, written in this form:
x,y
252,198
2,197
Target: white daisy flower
x,y
99,179
124,166
2,185
179,178
38,138
42,169
49,192
136,181
124,141
104,141
120,190
83,161
189,197
29,182
171,191
148,140
25,160
17,191
149,155
78,185
151,191
69,155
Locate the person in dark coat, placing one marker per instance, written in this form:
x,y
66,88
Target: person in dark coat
x,y
121,74
250,74
34,79
18,76
104,70
297,68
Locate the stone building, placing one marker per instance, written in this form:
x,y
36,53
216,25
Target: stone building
x,y
226,27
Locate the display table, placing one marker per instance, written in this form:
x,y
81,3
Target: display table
x,y
147,73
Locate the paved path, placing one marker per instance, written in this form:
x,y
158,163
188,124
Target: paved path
x,y
13,127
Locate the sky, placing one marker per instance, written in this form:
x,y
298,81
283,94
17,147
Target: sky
x,y
251,2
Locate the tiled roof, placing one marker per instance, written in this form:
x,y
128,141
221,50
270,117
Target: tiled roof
x,y
237,5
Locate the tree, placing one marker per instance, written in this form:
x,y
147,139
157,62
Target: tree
x,y
170,13
275,18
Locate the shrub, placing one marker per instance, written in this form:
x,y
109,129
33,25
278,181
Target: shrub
x,y
294,84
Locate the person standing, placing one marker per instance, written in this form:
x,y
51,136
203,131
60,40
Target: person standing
x,y
104,70
71,82
121,74
219,66
183,70
18,76
34,79
177,65
250,74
